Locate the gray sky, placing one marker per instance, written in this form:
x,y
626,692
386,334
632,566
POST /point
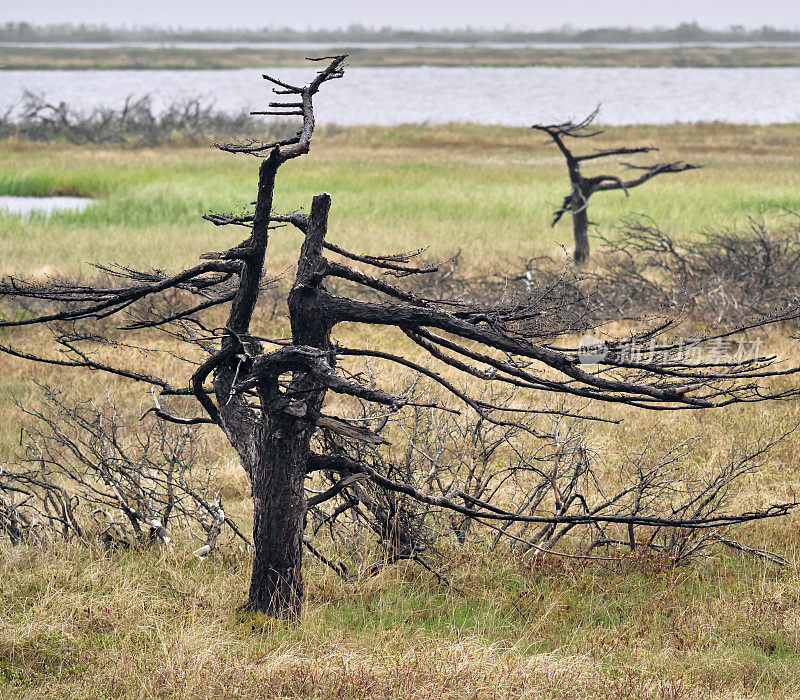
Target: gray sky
x,y
301,14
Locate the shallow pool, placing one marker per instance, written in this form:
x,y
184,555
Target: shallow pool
x,y
25,206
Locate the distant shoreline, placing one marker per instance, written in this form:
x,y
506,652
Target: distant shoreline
x,y
17,57
687,32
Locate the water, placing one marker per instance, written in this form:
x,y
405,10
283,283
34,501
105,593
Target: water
x,y
25,206
510,96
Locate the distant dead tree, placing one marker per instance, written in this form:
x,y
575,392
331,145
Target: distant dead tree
x,y
271,403
577,201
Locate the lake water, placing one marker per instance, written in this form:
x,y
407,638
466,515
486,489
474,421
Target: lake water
x,y
25,206
426,94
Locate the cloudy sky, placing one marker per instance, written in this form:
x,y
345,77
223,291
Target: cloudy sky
x,y
301,14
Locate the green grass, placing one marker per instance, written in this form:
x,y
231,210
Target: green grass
x,y
487,192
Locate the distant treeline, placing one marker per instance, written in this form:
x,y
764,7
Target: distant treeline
x,y
687,32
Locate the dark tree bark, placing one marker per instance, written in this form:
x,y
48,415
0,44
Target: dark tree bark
x,y
279,507
580,230
283,443
577,201
269,403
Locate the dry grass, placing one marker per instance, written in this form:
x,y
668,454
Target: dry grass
x,y
85,623
132,57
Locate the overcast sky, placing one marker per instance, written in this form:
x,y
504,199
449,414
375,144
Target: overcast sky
x,y
301,14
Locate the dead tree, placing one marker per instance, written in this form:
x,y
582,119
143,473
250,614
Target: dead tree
x,y
445,452
85,472
577,201
269,402
725,275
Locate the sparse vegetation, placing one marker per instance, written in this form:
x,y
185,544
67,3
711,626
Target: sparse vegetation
x,y
726,275
285,412
86,474
136,123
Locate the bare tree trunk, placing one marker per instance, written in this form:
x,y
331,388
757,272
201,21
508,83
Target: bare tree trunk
x,y
283,444
580,229
276,586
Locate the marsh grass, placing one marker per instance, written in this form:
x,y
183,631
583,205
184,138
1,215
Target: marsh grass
x,y
78,621
489,192
176,57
